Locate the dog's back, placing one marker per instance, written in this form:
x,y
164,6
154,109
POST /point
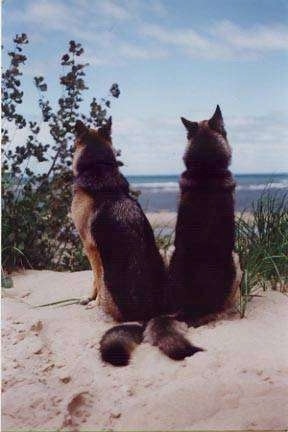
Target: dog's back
x,y
133,269
201,268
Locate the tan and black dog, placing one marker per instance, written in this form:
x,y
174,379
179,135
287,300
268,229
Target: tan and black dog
x,y
204,273
130,279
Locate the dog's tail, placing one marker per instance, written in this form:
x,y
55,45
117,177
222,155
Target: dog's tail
x,y
118,342
168,334
165,332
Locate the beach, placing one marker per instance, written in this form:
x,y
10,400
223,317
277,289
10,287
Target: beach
x,y
54,379
163,221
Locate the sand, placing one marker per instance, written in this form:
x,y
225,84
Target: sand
x,y
162,219
53,378
167,219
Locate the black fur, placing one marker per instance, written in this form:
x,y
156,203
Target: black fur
x,y
117,343
164,332
201,270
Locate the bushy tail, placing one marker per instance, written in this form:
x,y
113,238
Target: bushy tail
x,y
117,343
165,332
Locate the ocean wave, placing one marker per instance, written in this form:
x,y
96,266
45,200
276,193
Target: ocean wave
x,y
277,185
157,185
174,186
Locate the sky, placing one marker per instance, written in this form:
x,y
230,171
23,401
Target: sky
x,y
171,58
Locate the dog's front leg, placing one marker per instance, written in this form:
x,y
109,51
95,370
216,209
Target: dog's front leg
x,y
96,265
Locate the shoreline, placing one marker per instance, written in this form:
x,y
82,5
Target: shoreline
x,y
167,219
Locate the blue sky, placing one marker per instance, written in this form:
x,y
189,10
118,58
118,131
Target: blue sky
x,y
171,58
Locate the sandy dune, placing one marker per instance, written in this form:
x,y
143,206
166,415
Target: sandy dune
x,y
162,219
53,377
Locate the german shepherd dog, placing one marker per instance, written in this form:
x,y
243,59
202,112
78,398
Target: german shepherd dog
x,y
130,280
202,269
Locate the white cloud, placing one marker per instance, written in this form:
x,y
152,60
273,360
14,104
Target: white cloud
x,y
259,143
96,27
258,37
75,18
156,145
48,15
185,37
132,51
158,8
112,25
223,41
189,41
113,10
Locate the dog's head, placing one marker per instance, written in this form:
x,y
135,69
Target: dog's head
x,y
207,143
92,147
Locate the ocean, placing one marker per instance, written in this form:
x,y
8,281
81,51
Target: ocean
x,y
162,192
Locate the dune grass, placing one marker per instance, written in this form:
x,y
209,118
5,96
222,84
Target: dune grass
x,y
262,245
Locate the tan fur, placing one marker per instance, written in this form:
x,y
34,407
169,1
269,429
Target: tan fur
x,y
235,291
82,212
83,209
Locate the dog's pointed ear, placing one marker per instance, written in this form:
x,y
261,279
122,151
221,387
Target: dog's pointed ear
x,y
191,127
216,122
106,129
80,129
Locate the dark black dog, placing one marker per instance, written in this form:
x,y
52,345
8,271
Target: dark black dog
x,y
129,275
202,271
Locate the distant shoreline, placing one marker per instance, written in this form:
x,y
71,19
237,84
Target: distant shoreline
x,y
167,219
268,174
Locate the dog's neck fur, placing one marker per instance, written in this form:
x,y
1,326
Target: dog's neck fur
x,y
199,176
102,179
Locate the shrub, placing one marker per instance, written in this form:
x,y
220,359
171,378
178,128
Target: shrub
x,y
36,229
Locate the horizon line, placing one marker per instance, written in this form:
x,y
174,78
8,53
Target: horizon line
x,y
177,174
